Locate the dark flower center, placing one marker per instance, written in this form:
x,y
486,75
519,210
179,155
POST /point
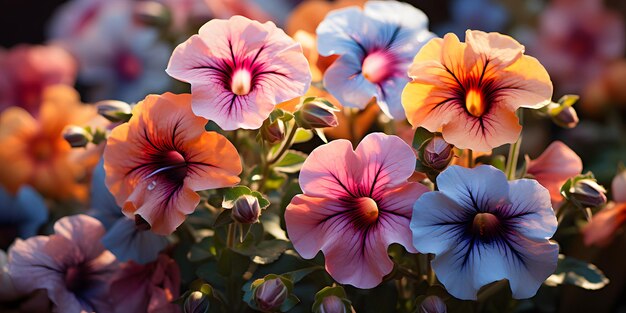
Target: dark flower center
x,y
128,66
76,279
486,226
171,165
8,233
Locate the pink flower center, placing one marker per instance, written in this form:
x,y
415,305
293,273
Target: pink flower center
x,y
128,66
367,209
171,165
241,82
377,67
474,102
486,226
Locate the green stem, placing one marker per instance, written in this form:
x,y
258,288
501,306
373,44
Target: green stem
x,y
351,125
432,278
285,147
470,158
230,237
511,162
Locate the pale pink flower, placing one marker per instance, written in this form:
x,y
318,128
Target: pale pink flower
x,y
355,204
239,70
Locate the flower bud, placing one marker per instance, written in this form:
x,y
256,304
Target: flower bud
x,y
196,302
566,118
152,13
270,295
76,136
246,210
437,153
587,193
433,304
316,113
114,111
332,304
273,133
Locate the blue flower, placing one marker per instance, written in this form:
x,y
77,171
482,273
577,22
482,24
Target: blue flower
x,y
483,228
124,238
376,47
20,215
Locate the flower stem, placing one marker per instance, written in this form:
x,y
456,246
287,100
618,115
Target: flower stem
x,y
470,158
230,237
351,116
511,162
286,145
432,279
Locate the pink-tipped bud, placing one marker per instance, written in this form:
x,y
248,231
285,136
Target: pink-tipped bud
x,y
433,304
273,133
316,113
270,295
437,153
77,136
587,193
566,118
332,304
246,210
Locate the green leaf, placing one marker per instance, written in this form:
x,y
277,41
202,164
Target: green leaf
x,y
266,251
223,219
291,162
302,135
576,272
203,250
289,303
271,223
298,275
232,194
320,133
421,136
232,265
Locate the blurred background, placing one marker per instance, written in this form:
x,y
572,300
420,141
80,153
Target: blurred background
x,y
118,49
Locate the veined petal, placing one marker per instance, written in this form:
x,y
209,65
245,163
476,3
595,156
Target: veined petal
x,y
479,188
339,32
343,79
213,163
554,166
396,207
526,84
531,209
84,231
389,96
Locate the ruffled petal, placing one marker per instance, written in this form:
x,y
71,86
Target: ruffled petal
x,y
478,188
84,231
531,211
339,32
331,170
127,242
554,166
396,207
343,79
525,84
212,163
390,94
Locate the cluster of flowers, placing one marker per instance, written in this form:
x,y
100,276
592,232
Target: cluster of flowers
x,y
182,175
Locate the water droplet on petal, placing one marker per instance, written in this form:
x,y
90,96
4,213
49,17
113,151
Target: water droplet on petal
x,y
152,185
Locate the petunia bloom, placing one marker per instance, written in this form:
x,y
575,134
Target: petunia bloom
x,y
483,228
376,46
239,70
147,288
554,167
471,90
72,265
39,156
355,204
157,161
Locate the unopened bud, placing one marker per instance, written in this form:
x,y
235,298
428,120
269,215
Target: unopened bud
x,y
152,13
566,118
273,133
76,136
316,113
114,111
246,210
270,295
587,193
437,153
332,304
433,304
196,302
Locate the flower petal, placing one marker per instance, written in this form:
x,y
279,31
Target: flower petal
x,y
337,33
554,166
84,231
526,84
343,79
127,242
531,209
213,163
479,188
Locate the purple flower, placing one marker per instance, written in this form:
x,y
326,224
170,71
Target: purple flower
x,y
376,47
72,265
482,229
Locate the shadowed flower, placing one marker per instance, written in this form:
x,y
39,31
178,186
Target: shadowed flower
x,y
25,71
482,229
239,70
471,90
606,223
554,167
376,46
72,265
157,161
355,204
39,156
147,288
20,215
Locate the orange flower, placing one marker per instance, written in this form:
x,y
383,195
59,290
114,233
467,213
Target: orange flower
x,y
156,161
471,90
35,152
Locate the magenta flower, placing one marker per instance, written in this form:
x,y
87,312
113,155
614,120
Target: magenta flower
x,y
147,288
355,204
482,229
239,69
376,46
72,265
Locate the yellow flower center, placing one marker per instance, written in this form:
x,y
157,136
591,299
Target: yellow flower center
x,y
241,82
474,102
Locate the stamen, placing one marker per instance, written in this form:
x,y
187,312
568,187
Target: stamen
x,y
241,82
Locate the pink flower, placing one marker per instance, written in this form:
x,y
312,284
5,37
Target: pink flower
x,y
147,288
355,204
554,167
25,71
239,70
72,265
